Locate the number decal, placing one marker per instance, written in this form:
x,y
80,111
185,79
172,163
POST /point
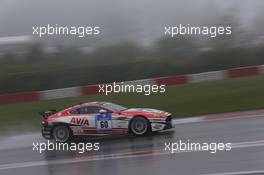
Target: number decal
x,y
103,121
104,124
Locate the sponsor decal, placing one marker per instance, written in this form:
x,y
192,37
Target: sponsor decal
x,y
79,121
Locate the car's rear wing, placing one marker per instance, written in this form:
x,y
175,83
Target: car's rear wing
x,y
48,113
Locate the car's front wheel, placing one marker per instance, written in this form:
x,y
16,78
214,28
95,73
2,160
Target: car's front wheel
x,y
139,126
61,133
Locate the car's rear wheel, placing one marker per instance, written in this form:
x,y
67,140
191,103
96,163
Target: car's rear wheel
x,y
139,126
61,133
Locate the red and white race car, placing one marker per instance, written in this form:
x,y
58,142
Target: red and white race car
x,y
102,118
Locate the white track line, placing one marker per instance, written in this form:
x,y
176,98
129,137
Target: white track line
x,y
187,120
117,156
238,172
205,119
234,118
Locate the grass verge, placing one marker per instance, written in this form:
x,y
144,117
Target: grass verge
x,y
182,101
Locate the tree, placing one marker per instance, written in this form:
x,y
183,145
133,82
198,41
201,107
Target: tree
x,y
181,47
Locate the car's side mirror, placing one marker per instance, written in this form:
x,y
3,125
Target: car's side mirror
x,y
102,111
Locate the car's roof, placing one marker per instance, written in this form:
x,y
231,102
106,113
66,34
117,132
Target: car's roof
x,y
94,102
101,103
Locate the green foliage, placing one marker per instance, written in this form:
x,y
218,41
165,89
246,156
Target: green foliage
x,y
38,70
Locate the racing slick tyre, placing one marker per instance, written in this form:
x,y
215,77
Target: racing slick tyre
x,y
139,126
61,133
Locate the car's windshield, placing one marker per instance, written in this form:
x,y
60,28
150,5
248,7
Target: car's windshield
x,y
115,106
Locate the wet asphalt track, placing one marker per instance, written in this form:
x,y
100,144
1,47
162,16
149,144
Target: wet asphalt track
x,y
146,155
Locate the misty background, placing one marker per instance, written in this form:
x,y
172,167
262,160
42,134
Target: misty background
x,y
131,41
139,21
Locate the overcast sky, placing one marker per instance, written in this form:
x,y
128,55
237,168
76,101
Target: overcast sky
x,y
140,20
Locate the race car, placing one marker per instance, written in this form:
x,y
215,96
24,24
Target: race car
x,y
101,119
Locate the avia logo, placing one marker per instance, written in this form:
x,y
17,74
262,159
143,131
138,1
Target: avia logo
x,y
79,121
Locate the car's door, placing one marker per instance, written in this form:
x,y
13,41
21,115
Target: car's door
x,y
88,120
100,119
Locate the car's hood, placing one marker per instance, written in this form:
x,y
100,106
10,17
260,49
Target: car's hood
x,y
155,112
